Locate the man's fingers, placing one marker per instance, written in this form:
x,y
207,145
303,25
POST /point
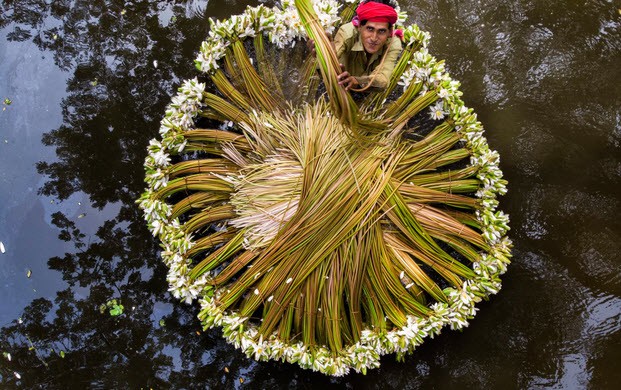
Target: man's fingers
x,y
346,82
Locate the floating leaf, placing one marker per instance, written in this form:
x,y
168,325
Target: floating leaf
x,y
62,354
7,101
94,82
6,355
123,11
29,273
162,323
17,375
155,64
116,310
2,249
82,215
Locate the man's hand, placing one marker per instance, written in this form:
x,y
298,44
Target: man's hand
x,y
310,44
346,80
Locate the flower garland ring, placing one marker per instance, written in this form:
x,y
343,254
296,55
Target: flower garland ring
x,y
314,240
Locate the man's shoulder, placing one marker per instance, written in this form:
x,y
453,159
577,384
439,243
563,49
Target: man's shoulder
x,y
349,30
394,43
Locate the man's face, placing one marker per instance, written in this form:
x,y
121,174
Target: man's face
x,y
374,35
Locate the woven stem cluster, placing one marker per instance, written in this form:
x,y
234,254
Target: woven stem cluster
x,y
313,228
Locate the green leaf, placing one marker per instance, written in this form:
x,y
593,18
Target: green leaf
x,y
162,323
116,310
62,354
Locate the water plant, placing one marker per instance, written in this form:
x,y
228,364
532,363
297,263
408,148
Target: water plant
x,y
314,227
114,308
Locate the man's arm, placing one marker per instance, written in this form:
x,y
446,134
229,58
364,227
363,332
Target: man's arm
x,y
342,44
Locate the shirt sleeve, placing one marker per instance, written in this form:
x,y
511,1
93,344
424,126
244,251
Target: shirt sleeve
x,y
380,77
342,44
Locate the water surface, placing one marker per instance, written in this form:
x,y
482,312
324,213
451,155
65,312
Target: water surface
x,y
86,98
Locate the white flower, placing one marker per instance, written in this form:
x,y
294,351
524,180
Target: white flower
x,y
161,158
156,227
437,110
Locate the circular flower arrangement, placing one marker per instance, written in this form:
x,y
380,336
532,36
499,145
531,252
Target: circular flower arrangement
x,y
313,228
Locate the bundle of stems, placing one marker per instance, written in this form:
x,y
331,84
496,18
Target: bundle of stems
x,y
305,228
376,100
342,102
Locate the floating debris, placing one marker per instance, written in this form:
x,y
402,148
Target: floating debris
x,y
115,308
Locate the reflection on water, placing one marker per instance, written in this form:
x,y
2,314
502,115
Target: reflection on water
x,y
543,77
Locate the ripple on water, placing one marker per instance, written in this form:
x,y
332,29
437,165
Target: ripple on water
x,y
600,121
597,255
532,148
602,317
586,207
535,224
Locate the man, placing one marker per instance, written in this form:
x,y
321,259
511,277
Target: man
x,y
366,48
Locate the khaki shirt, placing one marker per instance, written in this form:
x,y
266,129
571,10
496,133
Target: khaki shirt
x,y
350,52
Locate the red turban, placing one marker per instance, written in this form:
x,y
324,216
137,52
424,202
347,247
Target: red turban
x,y
376,12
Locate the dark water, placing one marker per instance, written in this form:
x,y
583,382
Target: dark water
x,y
544,77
